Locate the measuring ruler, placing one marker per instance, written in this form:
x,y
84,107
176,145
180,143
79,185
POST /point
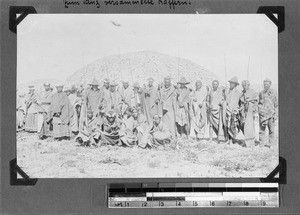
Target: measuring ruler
x,y
173,195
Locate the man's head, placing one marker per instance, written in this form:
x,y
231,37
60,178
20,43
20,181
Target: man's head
x,y
90,113
111,116
136,86
125,84
139,109
267,84
215,85
156,119
94,84
183,82
106,83
59,87
167,81
198,84
47,86
112,86
245,85
31,89
67,90
233,83
135,113
128,111
150,82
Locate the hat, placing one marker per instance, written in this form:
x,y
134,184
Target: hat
x,y
246,82
47,84
167,77
94,82
113,83
234,80
215,81
156,115
106,80
59,85
31,87
110,114
136,84
267,80
67,88
183,81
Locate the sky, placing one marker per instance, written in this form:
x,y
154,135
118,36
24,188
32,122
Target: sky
x,y
54,46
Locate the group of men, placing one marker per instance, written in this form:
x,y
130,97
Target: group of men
x,y
148,115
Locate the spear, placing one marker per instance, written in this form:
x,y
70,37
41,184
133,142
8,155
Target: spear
x,y
248,68
225,69
120,70
130,71
260,73
178,64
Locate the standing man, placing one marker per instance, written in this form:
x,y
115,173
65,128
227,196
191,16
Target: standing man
x,y
113,99
168,103
267,109
60,113
34,112
73,101
93,97
137,100
151,100
126,93
45,98
232,109
105,87
183,106
215,101
198,111
248,104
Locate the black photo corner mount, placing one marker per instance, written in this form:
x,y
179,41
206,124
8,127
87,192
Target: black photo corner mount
x,y
281,169
15,170
269,12
14,20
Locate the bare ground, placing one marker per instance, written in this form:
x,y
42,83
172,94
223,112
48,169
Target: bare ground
x,y
66,159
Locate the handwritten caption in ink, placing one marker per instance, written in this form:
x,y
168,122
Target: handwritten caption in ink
x,y
98,4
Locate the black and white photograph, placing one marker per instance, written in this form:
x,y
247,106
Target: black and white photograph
x,y
147,96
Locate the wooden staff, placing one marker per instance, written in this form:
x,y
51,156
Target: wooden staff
x,y
248,68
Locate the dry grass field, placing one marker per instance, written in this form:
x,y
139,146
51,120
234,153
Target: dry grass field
x,y
67,159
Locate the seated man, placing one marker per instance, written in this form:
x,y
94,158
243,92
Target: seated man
x,y
128,128
110,129
158,134
89,130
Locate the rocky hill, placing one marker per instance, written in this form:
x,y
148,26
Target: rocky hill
x,y
138,67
